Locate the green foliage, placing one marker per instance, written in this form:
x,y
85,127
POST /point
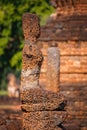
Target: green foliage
x,y
3,93
15,60
11,37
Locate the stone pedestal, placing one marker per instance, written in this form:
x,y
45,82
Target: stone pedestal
x,y
43,120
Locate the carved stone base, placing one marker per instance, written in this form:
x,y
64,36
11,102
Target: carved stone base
x,y
43,120
40,96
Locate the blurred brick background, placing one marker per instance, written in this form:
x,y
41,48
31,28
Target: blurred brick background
x,y
69,32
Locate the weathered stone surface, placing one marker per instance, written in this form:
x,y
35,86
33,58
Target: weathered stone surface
x,y
2,121
31,71
40,96
46,115
31,57
57,105
43,120
13,125
43,125
30,26
3,127
32,60
53,69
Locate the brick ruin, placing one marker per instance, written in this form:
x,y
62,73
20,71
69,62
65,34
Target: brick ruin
x,y
42,107
67,30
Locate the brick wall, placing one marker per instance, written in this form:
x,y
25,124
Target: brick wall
x,y
73,77
73,61
69,33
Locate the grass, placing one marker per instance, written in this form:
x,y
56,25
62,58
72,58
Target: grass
x,y
3,93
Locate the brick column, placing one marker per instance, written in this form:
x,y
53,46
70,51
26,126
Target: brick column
x,y
53,69
42,109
